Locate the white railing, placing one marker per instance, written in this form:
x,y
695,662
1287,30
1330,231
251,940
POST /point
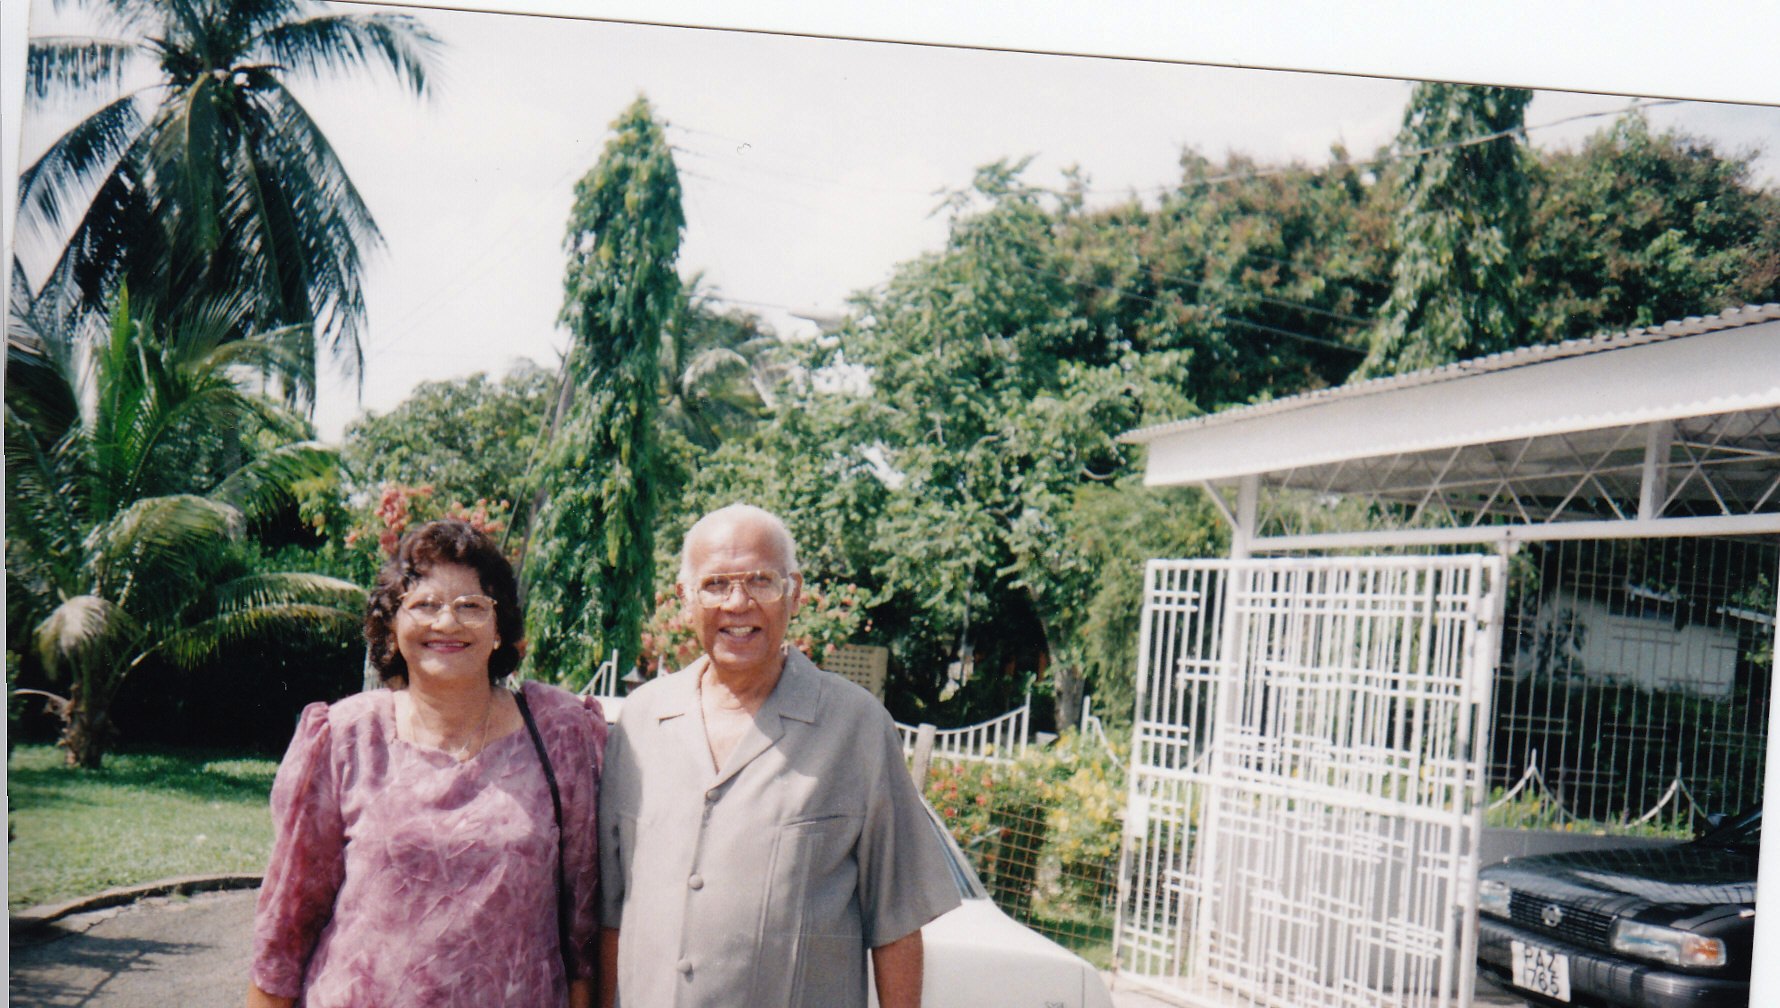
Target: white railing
x,y
1092,728
604,681
997,740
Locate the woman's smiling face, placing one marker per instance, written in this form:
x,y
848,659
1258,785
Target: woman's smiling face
x,y
444,649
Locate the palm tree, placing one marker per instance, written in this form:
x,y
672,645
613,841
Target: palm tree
x,y
213,179
114,558
719,368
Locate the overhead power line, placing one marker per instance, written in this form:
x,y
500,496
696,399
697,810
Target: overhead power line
x,y
1386,159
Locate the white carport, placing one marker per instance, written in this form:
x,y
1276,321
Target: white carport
x,y
1670,433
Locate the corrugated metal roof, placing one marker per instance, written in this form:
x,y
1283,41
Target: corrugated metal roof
x,y
1522,357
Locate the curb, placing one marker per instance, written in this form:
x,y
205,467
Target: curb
x,y
32,918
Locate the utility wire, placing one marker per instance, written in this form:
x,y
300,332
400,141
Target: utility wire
x,y
405,333
1386,159
1222,315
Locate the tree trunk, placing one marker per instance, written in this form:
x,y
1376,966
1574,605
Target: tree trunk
x,y
1066,683
84,733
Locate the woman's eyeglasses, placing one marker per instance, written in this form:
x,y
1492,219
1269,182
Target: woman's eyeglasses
x,y
472,611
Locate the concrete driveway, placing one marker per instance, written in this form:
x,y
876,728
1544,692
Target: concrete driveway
x,y
191,952
155,953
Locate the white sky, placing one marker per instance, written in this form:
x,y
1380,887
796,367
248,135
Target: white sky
x,y
809,166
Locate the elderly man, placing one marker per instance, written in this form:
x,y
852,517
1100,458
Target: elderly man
x,y
758,830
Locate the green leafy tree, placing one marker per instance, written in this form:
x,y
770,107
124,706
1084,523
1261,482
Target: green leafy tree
x,y
468,438
114,558
1635,229
1461,230
719,368
589,564
931,453
214,179
1262,279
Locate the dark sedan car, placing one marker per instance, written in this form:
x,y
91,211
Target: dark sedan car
x,y
1650,927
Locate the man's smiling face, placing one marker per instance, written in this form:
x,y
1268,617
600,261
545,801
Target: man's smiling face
x,y
742,635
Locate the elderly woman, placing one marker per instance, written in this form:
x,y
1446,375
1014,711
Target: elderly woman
x,y
417,857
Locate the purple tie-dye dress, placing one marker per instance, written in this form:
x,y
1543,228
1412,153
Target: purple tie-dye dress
x,y
401,877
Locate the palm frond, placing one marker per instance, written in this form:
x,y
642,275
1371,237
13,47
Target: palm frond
x,y
41,382
347,42
76,67
257,590
45,497
268,481
281,351
159,541
184,159
87,151
115,236
310,223
84,632
196,643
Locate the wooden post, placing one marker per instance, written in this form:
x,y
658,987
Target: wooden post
x,y
923,756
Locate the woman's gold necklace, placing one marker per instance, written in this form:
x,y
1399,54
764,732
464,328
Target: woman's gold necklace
x,y
473,743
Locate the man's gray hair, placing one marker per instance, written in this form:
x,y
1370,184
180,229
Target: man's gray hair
x,y
774,525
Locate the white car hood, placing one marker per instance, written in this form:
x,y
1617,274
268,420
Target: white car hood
x,y
978,957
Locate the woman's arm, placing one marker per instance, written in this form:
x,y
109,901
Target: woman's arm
x,y
307,864
257,998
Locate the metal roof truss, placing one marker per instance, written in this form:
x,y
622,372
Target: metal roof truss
x,y
1703,475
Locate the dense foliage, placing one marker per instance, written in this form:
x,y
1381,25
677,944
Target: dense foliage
x,y
590,562
951,449
1461,230
468,439
120,557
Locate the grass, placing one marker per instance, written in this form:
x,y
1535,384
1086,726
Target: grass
x,y
145,816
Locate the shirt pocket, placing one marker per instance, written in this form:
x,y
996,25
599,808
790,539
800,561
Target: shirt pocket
x,y
816,869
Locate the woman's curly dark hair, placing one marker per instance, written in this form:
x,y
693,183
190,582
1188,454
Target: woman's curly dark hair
x,y
446,541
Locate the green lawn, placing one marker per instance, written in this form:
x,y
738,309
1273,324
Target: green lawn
x,y
146,816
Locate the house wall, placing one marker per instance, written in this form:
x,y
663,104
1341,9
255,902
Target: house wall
x,y
1645,650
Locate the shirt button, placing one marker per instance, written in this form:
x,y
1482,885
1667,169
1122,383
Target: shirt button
x,y
711,795
684,966
697,881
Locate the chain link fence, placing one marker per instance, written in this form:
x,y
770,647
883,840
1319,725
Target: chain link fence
x,y
1042,831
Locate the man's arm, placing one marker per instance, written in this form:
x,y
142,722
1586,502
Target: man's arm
x,y
608,978
896,968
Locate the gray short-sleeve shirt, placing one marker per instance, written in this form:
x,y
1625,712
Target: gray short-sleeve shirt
x,y
766,883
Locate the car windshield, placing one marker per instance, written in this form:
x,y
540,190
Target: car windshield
x,y
1736,831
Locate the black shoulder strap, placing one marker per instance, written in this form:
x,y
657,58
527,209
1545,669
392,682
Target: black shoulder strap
x,y
562,889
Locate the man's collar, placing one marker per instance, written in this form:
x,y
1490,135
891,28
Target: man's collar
x,y
797,695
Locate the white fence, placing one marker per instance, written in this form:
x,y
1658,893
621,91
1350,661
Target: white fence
x,y
997,740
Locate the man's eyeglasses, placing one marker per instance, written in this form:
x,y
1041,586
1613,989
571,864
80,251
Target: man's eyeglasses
x,y
763,586
471,611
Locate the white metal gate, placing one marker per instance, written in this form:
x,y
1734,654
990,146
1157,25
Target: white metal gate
x,y
1307,780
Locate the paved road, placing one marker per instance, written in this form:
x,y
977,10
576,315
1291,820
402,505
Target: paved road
x,y
190,953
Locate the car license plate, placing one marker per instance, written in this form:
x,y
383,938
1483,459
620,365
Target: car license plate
x,y
1542,970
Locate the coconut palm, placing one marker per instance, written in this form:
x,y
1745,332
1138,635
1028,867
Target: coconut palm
x,y
719,368
115,556
212,179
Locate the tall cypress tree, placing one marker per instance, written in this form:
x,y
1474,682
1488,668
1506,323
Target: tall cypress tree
x,y
1460,232
590,567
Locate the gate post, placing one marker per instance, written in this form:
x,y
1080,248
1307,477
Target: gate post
x,y
923,756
